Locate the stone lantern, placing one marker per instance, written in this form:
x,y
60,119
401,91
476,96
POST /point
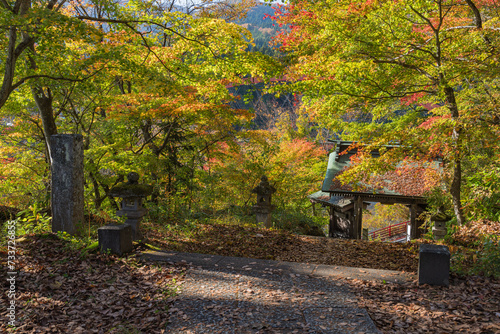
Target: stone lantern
x,y
132,194
263,207
439,219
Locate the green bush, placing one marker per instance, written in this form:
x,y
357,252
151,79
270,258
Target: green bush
x,y
483,259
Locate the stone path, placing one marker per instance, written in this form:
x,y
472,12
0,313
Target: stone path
x,y
241,295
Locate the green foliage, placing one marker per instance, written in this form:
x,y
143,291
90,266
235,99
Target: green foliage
x,y
488,257
485,260
422,74
475,248
84,244
299,222
482,189
32,220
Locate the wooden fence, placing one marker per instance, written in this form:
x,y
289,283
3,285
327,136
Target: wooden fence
x,y
389,231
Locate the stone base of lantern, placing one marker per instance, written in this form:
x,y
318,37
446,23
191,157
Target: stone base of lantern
x,y
134,218
264,218
263,214
439,233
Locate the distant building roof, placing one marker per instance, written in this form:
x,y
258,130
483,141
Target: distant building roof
x,y
409,179
324,198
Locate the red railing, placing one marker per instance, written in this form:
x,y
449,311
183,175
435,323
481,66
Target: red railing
x,y
388,231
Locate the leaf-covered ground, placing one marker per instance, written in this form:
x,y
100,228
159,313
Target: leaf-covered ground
x,y
253,242
61,290
468,305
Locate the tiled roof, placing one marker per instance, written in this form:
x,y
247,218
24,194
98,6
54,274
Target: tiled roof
x,y
409,179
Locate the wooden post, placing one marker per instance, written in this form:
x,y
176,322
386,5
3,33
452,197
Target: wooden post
x,y
419,221
413,223
416,222
332,222
358,218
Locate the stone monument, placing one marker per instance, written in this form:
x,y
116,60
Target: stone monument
x,y
263,207
67,197
434,265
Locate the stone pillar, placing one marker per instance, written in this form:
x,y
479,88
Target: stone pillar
x,y
434,265
67,182
263,207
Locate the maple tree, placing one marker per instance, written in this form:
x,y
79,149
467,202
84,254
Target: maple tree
x,y
293,165
420,73
145,83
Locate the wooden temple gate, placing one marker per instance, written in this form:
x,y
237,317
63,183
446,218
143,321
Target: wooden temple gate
x,y
346,205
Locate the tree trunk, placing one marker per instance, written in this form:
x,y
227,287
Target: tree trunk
x,y
457,158
44,104
43,100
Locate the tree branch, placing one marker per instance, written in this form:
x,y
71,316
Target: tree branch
x,y
6,5
478,21
408,66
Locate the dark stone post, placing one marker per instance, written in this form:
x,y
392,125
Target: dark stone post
x,y
117,238
263,208
434,265
67,182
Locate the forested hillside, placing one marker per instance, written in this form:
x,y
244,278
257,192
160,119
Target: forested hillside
x,y
262,28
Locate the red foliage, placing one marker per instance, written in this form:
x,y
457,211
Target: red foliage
x,y
431,121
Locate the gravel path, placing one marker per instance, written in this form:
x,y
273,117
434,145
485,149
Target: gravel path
x,y
241,295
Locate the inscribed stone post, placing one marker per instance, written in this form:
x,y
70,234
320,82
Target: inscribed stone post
x,y
67,182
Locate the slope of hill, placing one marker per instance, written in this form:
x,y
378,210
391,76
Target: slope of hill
x,y
262,28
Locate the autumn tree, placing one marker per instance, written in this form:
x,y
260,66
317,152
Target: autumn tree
x,y
418,73
142,82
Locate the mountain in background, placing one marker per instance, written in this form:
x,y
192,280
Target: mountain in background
x,y
262,29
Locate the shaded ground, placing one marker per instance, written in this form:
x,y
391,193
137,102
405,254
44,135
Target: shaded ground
x,y
61,290
469,305
243,241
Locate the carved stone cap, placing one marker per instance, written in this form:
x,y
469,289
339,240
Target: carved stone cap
x,y
440,215
131,188
264,188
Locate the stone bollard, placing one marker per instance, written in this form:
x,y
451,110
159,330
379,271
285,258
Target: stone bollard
x,y
434,265
117,238
67,197
263,207
132,193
